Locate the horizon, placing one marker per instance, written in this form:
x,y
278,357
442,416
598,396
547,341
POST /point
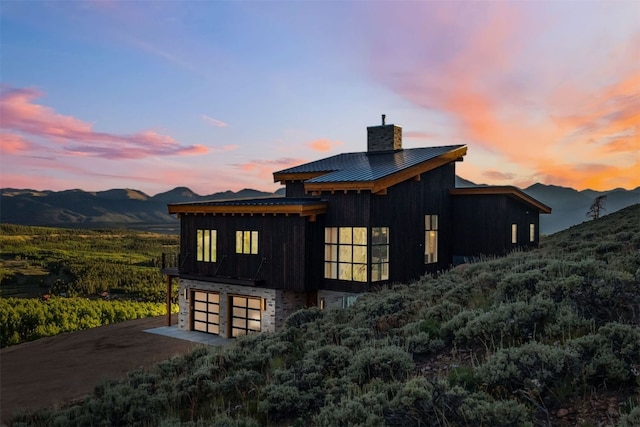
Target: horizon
x,y
216,96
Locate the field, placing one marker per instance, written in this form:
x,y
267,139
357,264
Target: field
x,y
545,337
55,280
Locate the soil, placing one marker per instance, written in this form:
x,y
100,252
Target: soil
x,y
56,370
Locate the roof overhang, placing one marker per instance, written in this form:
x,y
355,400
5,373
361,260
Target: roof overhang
x,y
302,209
502,190
380,186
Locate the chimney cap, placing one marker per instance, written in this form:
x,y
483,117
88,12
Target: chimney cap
x,y
384,116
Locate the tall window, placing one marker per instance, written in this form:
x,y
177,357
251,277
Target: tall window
x,y
430,239
345,253
514,233
532,232
246,242
206,245
379,254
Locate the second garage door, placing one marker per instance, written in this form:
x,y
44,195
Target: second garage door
x,y
246,313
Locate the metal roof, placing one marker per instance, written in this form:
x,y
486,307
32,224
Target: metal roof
x,y
365,166
264,201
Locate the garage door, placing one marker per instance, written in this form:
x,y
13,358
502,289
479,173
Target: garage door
x,y
206,312
245,315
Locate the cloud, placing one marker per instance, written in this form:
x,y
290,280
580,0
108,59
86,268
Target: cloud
x,y
322,145
20,114
501,176
417,135
214,122
264,169
512,96
11,143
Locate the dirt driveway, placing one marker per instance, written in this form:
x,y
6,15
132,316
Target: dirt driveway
x,y
67,367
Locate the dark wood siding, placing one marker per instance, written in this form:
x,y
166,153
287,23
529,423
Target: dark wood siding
x,y
294,189
288,244
483,225
403,209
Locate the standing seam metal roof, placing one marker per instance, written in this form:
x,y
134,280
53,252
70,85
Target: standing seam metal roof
x,y
365,166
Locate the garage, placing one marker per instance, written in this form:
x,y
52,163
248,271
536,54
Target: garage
x,y
206,312
246,313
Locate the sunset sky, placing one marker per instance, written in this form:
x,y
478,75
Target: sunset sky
x,y
218,95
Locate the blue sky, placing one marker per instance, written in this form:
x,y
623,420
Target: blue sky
x,y
218,95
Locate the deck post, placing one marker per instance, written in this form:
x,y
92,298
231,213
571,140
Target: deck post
x,y
169,279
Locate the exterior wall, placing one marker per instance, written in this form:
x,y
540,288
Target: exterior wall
x,y
286,243
279,303
294,189
483,225
403,209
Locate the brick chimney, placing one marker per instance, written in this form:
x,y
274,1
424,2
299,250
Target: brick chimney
x,y
384,138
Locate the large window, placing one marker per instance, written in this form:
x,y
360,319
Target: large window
x,y
246,242
345,253
206,245
514,233
532,232
379,254
430,239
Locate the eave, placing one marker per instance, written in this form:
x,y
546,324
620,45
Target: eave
x,y
300,176
381,185
303,210
502,190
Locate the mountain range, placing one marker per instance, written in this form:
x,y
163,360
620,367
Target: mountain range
x,y
129,208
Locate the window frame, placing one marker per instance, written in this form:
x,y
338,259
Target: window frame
x,y
206,245
431,227
346,254
247,242
379,270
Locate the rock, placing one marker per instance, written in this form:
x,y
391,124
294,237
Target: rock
x,y
562,412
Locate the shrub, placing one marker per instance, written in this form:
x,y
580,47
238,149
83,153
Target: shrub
x,y
388,363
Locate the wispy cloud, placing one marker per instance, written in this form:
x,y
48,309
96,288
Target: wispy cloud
x,y
11,143
21,115
214,122
497,175
322,145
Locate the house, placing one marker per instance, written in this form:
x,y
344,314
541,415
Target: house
x,y
347,224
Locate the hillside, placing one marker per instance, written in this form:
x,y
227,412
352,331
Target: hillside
x,y
545,337
123,208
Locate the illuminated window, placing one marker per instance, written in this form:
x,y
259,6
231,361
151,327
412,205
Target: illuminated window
x,y
532,232
206,245
345,253
514,233
246,242
430,239
379,254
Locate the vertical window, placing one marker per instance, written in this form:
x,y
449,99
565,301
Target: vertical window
x,y
246,242
345,253
379,254
430,239
206,245
532,232
514,233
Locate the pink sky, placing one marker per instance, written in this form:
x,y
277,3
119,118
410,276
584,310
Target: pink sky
x,y
219,96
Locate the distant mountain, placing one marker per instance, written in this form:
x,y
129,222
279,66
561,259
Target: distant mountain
x,y
112,208
134,209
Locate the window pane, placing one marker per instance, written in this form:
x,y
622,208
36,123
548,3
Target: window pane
x,y
427,222
345,253
199,245
345,235
198,315
197,305
360,235
330,270
532,232
239,312
254,242
206,243
380,235
431,247
239,302
331,253
254,325
246,246
375,272
238,242
360,254
434,222
214,298
254,303
331,235
360,272
514,233
345,271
